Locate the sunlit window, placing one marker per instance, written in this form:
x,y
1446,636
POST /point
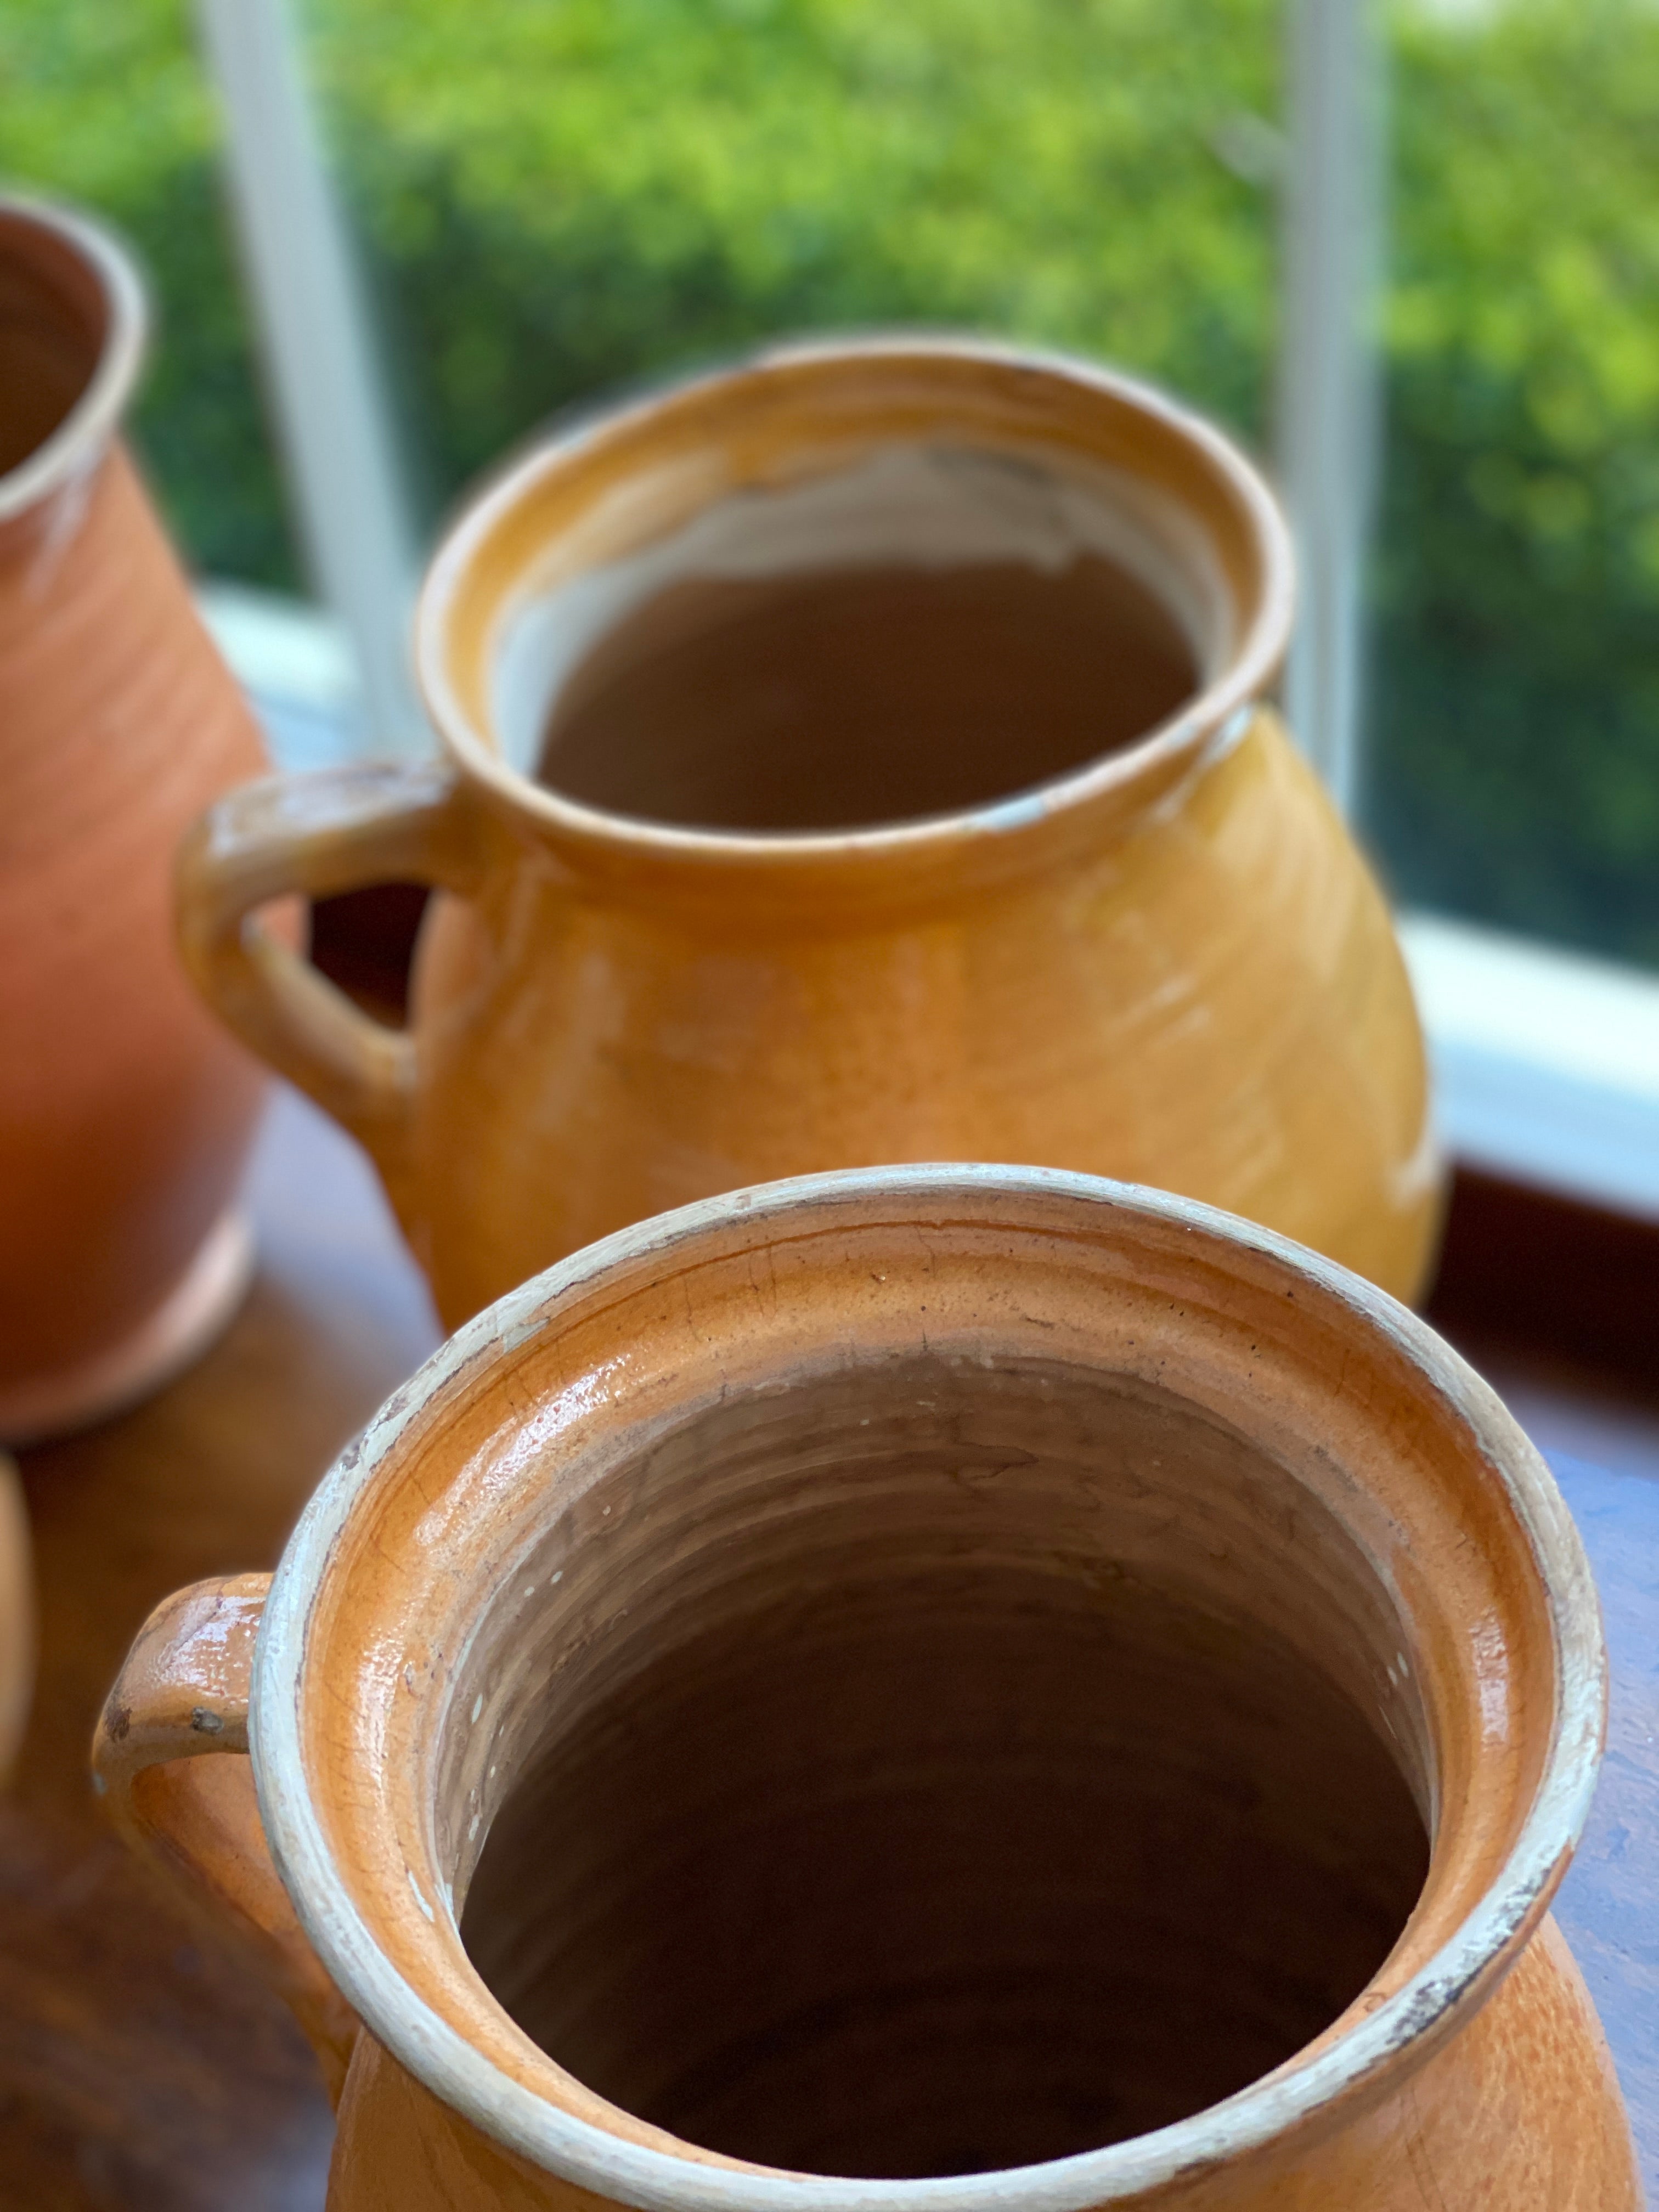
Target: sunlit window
x,y
549,204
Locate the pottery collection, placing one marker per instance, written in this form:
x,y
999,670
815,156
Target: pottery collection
x,y
973,1680
847,1683
858,755
125,1112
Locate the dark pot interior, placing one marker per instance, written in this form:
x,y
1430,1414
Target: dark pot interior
x,y
852,697
943,1766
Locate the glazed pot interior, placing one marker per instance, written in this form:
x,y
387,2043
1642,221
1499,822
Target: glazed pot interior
x,y
923,1669
983,1762
54,315
927,631
842,590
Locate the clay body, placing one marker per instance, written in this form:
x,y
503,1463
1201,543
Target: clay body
x,y
125,1113
1008,1688
744,874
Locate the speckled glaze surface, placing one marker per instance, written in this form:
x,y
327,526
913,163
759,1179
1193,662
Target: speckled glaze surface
x,y
1167,962
840,1660
125,1112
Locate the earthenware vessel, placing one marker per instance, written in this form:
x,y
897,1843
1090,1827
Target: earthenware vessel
x,y
125,1112
857,756
1005,1689
16,1615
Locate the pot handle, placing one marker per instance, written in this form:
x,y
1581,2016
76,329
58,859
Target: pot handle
x,y
334,829
183,1692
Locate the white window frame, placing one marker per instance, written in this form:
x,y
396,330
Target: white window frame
x,y
1547,1064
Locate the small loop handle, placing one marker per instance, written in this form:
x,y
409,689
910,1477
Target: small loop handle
x,y
182,1694
335,830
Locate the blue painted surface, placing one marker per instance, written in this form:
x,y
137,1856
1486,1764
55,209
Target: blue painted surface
x,y
1608,1907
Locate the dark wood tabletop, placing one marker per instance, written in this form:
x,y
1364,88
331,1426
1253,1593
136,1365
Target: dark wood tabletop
x,y
140,2071
138,2068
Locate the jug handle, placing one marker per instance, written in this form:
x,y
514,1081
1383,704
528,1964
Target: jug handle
x,y
183,1692
333,830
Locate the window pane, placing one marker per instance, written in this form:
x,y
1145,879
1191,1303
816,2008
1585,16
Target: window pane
x,y
1515,669
106,105
561,198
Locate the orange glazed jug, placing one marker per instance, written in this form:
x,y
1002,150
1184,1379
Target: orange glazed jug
x,y
124,1114
857,756
936,1689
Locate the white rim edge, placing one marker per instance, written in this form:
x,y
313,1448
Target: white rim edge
x,y
656,2180
92,421
1216,707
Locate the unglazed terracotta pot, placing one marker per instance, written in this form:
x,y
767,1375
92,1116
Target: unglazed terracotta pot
x,y
911,798
1009,1690
125,1113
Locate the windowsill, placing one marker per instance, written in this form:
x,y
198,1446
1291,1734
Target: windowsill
x,y
1546,1063
295,664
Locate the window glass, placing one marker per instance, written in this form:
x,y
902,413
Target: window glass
x,y
557,199
561,198
106,105
1513,757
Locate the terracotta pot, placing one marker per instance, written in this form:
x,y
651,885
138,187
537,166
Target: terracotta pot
x,y
921,1675
16,1615
1087,943
124,1114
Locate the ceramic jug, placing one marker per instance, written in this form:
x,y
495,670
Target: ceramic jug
x,y
938,1687
125,1112
857,756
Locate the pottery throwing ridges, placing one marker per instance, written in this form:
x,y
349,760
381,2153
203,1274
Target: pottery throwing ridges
x,y
843,861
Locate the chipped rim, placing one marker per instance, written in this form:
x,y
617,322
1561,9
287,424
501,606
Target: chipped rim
x,y
1483,1945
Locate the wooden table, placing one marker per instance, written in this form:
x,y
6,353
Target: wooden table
x,y
139,2072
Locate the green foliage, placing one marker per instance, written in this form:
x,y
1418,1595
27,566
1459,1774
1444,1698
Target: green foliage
x,y
567,196
564,195
1516,719
103,101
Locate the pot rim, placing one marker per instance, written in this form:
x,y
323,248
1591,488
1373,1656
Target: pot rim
x,y
80,438
1482,1946
1209,723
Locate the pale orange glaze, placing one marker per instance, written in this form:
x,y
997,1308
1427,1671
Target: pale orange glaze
x,y
1170,965
183,1692
1521,2114
124,1114
813,1397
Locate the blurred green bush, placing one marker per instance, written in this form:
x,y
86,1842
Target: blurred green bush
x,y
565,195
103,101
1515,659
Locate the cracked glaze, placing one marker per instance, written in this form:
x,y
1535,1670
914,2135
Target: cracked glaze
x,y
480,1564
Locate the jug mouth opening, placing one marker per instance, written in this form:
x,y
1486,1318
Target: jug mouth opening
x,y
72,330
1172,1523
873,596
